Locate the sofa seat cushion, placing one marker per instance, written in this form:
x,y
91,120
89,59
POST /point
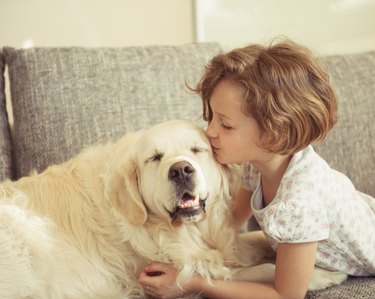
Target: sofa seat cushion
x,y
354,287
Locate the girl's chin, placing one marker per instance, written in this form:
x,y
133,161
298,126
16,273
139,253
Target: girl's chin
x,y
221,159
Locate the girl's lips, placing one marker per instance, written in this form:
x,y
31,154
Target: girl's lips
x,y
214,149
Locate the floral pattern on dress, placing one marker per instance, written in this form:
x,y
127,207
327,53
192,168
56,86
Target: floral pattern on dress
x,y
317,203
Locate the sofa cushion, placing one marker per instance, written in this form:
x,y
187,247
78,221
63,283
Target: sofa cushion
x,y
65,99
350,147
6,170
354,287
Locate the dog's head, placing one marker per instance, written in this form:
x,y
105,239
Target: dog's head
x,y
169,172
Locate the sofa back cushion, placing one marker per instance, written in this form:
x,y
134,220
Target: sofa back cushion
x,y
6,170
65,99
350,147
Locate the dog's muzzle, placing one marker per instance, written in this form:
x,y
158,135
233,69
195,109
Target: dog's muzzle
x,y
190,206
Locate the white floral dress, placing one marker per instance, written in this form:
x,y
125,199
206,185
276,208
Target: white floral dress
x,y
316,203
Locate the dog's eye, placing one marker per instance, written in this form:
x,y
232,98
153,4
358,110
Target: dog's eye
x,y
197,149
155,157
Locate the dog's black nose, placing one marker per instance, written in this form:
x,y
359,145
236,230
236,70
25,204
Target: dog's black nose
x,y
181,171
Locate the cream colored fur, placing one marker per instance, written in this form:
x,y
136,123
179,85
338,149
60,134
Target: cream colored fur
x,y
86,228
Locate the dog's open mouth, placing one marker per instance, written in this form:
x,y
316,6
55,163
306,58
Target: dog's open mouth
x,y
190,208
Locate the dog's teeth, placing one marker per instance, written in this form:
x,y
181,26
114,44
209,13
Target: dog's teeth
x,y
192,202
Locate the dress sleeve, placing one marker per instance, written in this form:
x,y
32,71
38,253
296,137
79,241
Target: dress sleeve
x,y
296,221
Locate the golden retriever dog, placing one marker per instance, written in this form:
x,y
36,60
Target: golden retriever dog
x,y
86,228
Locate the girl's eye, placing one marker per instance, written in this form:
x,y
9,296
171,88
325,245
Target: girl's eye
x,y
225,127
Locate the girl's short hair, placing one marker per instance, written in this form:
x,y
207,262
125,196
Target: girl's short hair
x,y
286,91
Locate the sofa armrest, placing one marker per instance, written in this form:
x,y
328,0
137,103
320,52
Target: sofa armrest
x,y
6,163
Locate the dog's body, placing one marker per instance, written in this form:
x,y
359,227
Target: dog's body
x,y
86,228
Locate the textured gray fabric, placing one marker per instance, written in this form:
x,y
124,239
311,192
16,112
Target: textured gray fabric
x,y
350,147
67,98
6,170
353,288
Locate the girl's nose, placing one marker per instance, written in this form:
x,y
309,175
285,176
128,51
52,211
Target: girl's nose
x,y
210,132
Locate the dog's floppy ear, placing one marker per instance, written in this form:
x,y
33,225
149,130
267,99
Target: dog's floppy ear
x,y
123,192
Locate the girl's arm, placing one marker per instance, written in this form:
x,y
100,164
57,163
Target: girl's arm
x,y
241,210
294,268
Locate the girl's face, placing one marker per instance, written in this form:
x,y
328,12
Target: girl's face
x,y
233,135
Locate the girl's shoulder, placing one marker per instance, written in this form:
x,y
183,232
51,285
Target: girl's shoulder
x,y
310,175
305,160
307,173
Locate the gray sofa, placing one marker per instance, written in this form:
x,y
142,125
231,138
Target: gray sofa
x,y
64,99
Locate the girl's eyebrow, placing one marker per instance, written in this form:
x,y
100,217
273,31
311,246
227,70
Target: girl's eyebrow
x,y
223,116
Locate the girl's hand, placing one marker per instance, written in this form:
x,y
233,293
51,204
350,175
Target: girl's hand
x,y
159,281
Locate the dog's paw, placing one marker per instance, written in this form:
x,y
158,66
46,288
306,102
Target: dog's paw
x,y
324,278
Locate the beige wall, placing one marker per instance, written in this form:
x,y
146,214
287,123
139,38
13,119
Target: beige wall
x,y
25,23
325,26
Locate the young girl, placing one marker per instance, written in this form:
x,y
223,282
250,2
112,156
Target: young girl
x,y
264,107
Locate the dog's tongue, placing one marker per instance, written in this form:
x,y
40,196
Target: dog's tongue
x,y
188,201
